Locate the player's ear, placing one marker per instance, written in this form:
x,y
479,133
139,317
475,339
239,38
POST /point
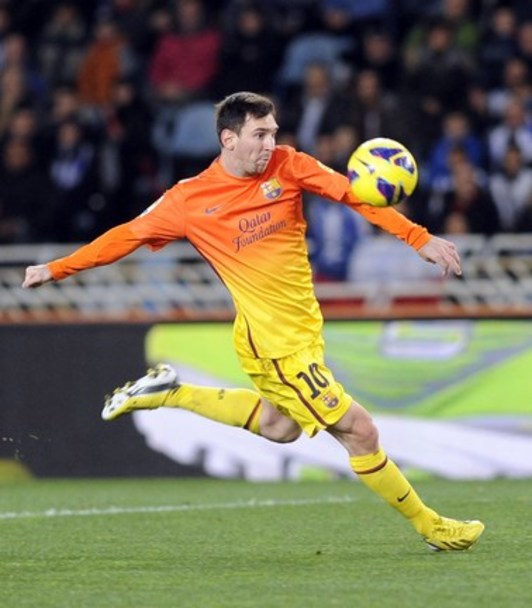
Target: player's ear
x,y
228,139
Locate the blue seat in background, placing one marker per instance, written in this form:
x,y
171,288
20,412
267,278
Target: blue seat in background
x,y
312,48
195,131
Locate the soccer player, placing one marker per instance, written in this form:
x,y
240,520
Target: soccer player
x,y
244,215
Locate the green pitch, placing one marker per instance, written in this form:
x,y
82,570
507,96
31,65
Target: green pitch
x,y
205,543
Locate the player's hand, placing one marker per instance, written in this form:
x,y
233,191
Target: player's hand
x,y
443,253
37,276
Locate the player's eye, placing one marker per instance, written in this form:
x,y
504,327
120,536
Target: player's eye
x,y
265,135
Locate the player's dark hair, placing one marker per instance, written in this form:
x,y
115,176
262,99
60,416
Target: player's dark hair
x,y
231,112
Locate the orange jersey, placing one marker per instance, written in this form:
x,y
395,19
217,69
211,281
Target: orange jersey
x,y
252,232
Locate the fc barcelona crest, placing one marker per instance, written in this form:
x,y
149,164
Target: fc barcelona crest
x,y
330,399
271,189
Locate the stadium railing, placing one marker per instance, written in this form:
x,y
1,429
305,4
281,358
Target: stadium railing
x,y
386,279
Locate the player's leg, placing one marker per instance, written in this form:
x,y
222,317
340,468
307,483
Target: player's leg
x,y
275,426
358,434
237,407
303,388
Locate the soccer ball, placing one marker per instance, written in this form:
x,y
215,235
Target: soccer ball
x,y
382,172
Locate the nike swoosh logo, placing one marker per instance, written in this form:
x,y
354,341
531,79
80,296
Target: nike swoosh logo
x,y
148,390
401,498
209,210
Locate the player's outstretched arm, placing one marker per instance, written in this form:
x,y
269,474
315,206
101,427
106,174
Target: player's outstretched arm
x,y
107,248
443,253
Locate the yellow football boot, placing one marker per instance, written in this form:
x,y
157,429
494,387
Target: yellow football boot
x,y
454,535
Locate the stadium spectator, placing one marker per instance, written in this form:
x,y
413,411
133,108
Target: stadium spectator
x,y
498,45
25,126
477,109
25,195
288,18
333,230
344,139
456,134
466,207
185,61
516,83
159,23
524,43
107,59
65,105
78,206
16,56
14,94
357,15
515,130
460,14
333,234
245,216
128,164
336,17
373,112
251,52
378,53
307,49
511,189
316,109
457,15
291,19
439,73
62,44
133,18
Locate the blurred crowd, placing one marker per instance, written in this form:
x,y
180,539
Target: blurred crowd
x,y
105,103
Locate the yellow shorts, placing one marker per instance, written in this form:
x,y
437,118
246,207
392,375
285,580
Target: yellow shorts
x,y
301,387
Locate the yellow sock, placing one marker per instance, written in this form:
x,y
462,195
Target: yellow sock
x,y
233,406
382,475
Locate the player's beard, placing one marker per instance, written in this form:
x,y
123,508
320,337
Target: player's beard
x,y
261,164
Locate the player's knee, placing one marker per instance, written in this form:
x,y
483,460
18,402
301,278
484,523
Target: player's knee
x,y
283,434
277,427
356,431
281,431
366,432
289,435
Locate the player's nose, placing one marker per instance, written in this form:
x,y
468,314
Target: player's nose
x,y
269,143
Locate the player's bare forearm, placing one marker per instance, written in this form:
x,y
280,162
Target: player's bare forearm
x,y
106,249
443,253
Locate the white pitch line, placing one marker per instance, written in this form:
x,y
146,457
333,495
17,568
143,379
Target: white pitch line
x,y
249,504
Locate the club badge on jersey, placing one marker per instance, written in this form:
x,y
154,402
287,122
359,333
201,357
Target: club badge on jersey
x,y
271,189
